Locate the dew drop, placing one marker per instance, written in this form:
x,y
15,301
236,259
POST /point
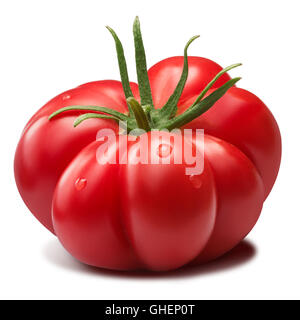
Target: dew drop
x,y
196,181
66,97
80,183
164,150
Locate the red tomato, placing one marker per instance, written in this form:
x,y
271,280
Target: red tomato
x,y
146,216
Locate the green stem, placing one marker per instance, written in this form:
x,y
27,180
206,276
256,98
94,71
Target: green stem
x,y
204,105
122,67
112,112
141,66
212,82
86,116
139,113
170,108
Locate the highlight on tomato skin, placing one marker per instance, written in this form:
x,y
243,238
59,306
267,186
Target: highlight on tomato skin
x,y
170,171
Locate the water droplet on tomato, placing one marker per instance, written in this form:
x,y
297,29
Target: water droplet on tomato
x,y
164,150
66,97
196,181
80,183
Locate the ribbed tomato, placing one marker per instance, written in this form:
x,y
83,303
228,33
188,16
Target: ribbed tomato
x,y
132,215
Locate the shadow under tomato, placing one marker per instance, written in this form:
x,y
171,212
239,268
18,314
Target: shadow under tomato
x,y
241,254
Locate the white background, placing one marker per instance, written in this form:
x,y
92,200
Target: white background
x,y
50,46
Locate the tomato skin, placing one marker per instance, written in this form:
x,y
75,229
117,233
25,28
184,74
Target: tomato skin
x,y
47,147
168,217
247,123
132,216
129,217
88,221
152,216
240,197
239,117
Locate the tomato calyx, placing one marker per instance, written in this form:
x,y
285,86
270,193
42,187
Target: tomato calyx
x,y
143,115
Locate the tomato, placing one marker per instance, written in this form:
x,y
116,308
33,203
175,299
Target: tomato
x,y
138,215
